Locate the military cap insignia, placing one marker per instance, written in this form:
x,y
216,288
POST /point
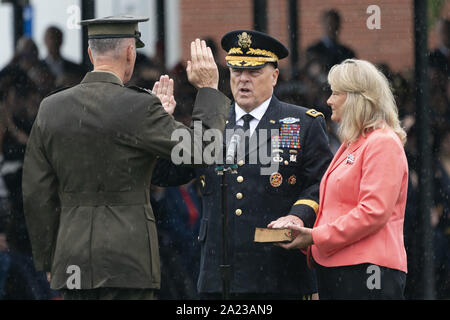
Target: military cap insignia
x,y
313,113
276,179
244,40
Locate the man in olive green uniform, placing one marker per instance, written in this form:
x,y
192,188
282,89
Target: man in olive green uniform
x,y
89,162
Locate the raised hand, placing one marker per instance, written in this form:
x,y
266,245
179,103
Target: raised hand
x,y
202,69
163,89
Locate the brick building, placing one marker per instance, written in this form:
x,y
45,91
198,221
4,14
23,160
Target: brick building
x,y
393,43
187,19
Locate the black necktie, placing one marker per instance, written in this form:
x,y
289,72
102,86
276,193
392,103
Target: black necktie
x,y
247,118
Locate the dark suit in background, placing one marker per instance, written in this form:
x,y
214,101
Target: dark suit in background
x,y
329,52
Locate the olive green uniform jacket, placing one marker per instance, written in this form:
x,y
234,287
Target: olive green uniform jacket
x,y
86,179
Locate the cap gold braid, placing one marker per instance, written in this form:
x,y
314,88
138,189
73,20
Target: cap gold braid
x,y
310,203
254,52
238,60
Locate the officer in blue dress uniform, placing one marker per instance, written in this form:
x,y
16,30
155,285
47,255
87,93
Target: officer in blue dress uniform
x,y
259,193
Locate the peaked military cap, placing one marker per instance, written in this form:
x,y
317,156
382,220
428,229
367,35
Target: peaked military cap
x,y
252,49
124,26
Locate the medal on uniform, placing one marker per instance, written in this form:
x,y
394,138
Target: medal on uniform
x,y
292,180
276,179
276,142
277,158
290,133
293,158
276,149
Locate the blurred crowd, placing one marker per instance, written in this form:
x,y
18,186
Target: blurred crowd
x,y
26,80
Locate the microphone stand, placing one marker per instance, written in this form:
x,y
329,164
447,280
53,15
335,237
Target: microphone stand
x,y
225,267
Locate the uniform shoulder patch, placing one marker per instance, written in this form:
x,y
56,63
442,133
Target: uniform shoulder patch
x,y
57,90
314,113
140,89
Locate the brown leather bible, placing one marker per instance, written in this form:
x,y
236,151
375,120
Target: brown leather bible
x,y
273,235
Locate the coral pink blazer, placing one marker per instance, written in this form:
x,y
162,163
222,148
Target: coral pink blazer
x,y
362,204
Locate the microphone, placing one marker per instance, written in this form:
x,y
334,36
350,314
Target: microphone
x,y
233,146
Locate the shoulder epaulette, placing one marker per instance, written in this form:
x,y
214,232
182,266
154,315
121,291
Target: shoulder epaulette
x,y
314,113
57,90
140,89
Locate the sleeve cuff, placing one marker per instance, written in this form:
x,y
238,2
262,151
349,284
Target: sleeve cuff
x,y
320,238
305,210
206,95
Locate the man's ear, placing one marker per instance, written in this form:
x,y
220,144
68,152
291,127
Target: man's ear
x,y
90,55
275,74
131,51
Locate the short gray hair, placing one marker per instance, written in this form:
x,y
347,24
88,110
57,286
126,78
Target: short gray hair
x,y
110,46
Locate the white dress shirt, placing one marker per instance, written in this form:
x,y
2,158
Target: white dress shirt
x,y
257,114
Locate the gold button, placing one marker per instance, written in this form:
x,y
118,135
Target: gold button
x,y
239,196
240,163
238,212
240,179
286,162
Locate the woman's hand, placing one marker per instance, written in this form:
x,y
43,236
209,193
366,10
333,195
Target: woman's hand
x,y
303,236
281,222
163,89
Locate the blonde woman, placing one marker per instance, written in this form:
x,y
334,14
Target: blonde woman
x,y
356,243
